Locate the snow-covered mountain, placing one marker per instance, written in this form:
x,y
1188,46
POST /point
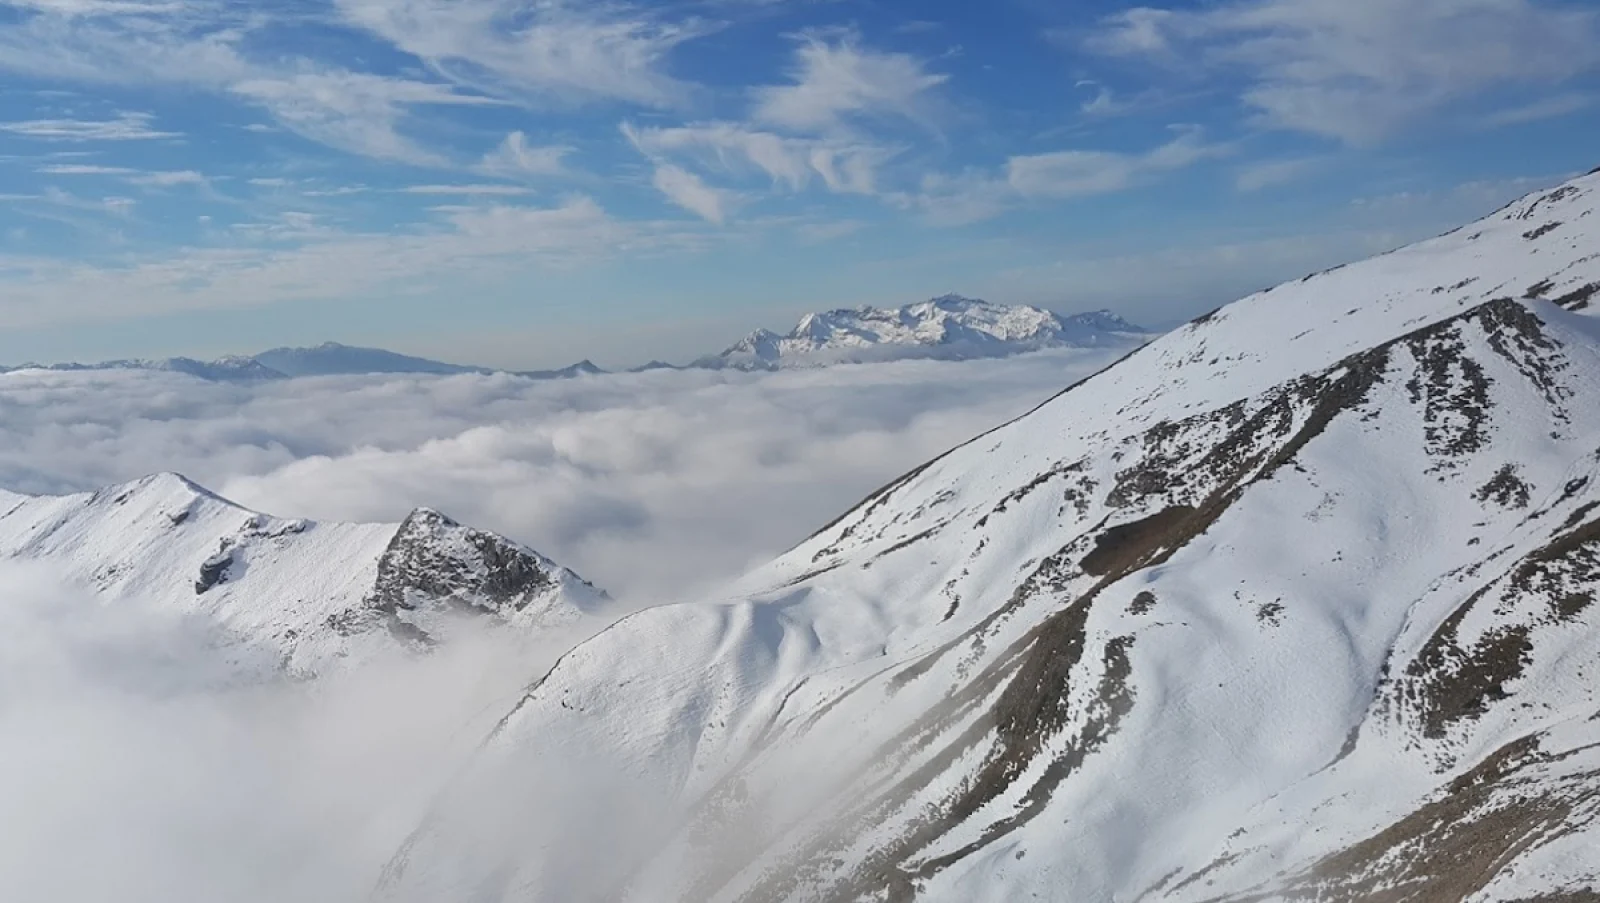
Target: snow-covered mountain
x,y
1294,603
290,593
947,327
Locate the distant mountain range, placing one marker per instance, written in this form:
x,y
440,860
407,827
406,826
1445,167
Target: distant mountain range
x,y
949,327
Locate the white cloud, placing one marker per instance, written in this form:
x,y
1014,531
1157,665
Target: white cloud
x,y
201,47
98,7
549,52
352,111
138,740
470,190
153,745
1264,174
141,178
818,233
515,157
126,127
843,166
83,169
690,192
837,82
1360,71
170,178
645,483
476,244
976,195
1553,107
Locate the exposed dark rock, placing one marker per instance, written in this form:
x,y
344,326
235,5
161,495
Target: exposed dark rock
x,y
1543,230
1449,683
1143,603
1505,489
432,561
1578,298
1455,845
214,570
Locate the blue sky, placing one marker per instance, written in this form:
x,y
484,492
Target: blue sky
x,y
528,182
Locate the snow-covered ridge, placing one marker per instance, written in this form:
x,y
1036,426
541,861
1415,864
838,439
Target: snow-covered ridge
x,y
296,593
1294,603
950,326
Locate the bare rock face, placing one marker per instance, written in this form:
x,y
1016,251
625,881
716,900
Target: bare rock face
x,y
434,566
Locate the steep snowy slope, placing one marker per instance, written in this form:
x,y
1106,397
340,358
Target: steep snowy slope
x,y
309,596
1296,602
950,326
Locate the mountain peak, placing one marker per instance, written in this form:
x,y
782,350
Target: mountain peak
x,y
307,595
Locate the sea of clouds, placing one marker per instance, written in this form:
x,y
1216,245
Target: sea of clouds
x,y
653,485
138,764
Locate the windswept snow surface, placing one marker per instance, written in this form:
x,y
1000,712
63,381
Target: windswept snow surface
x,y
1295,602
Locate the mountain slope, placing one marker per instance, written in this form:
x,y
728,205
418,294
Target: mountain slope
x,y
308,596
1295,602
950,327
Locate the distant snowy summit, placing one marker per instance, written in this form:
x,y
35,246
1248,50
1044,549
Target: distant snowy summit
x,y
948,327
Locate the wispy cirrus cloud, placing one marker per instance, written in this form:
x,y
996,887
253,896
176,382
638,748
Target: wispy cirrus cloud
x,y
690,192
842,165
354,111
1263,174
1360,71
837,82
124,127
556,52
83,169
203,46
480,190
976,195
142,178
516,157
1552,107
99,7
320,262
